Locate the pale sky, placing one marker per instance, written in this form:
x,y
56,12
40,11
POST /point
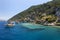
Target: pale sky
x,y
9,8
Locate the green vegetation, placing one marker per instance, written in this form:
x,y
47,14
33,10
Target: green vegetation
x,y
47,12
49,18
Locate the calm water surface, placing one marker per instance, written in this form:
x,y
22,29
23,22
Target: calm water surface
x,y
19,32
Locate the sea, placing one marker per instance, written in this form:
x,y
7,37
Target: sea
x,y
19,32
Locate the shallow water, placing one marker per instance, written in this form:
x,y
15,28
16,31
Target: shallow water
x,y
19,32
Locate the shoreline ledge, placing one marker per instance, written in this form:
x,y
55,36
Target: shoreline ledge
x,y
56,26
36,26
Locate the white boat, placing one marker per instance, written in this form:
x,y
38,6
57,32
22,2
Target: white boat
x,y
11,24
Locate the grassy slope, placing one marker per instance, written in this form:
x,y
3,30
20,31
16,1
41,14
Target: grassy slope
x,y
46,8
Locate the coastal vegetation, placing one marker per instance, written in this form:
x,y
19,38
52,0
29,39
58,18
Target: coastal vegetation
x,y
45,14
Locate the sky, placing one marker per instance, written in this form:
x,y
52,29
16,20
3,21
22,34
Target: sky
x,y
9,8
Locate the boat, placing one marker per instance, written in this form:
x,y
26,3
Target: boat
x,y
10,24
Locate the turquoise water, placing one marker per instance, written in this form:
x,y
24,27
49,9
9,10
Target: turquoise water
x,y
19,32
32,26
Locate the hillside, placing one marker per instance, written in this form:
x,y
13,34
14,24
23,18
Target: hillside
x,y
47,12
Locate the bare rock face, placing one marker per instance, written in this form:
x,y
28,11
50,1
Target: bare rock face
x,y
58,13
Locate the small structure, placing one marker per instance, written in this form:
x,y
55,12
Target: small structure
x,y
49,24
